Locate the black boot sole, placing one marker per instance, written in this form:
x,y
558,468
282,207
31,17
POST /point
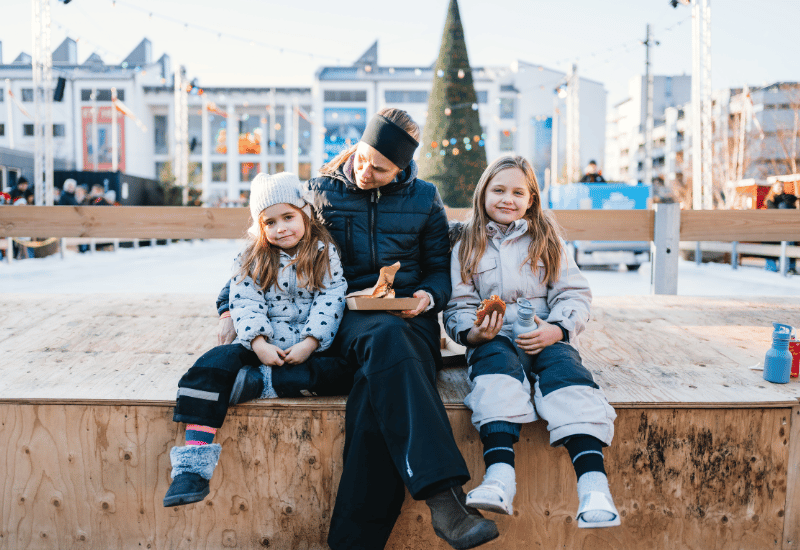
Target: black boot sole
x,y
481,535
188,498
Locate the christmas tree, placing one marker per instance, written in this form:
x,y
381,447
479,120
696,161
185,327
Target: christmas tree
x,y
452,155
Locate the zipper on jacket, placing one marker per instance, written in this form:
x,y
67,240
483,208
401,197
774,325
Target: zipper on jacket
x,y
348,238
373,214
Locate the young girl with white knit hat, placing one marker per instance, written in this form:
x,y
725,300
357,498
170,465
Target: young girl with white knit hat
x,y
286,300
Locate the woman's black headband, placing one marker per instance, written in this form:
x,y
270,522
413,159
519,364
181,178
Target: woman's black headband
x,y
390,140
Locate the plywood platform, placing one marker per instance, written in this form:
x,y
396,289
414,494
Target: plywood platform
x,y
705,456
656,351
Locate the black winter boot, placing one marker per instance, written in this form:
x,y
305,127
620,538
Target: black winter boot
x,y
249,385
460,525
186,488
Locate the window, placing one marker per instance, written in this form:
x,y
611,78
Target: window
x,y
507,105
102,95
217,125
163,171
406,96
2,95
248,170
219,171
27,95
27,129
2,129
345,95
304,129
249,136
304,171
507,88
160,135
59,130
506,140
276,130
195,134
483,96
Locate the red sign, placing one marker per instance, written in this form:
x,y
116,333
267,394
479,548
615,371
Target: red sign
x,y
104,144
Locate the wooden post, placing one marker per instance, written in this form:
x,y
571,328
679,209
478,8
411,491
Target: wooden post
x,y
791,530
62,247
666,238
9,250
698,254
734,255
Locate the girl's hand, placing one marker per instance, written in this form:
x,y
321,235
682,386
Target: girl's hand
x,y
487,330
535,341
267,353
301,351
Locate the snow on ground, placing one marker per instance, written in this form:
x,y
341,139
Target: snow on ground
x,y
204,266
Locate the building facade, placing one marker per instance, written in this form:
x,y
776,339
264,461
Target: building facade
x,y
274,128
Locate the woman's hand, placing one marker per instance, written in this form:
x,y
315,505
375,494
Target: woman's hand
x,y
535,341
267,353
487,330
424,302
225,331
301,351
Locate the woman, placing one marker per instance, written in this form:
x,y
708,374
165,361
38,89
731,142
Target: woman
x,y
397,432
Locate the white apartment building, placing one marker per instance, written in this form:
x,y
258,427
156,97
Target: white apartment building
x,y
626,127
276,128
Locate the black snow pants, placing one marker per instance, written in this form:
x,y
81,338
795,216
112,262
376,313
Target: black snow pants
x,y
397,431
205,389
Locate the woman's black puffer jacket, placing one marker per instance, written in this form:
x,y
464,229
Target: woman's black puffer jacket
x,y
403,221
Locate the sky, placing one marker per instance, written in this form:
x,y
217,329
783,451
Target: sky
x,y
267,42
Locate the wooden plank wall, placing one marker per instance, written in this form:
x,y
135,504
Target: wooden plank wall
x,y
93,477
147,222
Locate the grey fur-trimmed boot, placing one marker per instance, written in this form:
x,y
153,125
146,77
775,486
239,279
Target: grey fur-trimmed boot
x,y
192,468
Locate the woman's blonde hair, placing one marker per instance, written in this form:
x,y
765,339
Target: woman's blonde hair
x,y
398,116
261,260
542,227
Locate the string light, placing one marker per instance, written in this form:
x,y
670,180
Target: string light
x,y
247,40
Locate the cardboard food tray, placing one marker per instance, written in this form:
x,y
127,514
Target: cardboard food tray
x,y
381,304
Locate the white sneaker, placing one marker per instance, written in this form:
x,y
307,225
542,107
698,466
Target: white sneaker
x,y
496,492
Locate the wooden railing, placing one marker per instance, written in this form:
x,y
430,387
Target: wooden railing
x,y
665,226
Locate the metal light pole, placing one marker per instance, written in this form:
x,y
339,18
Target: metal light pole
x,y
702,185
42,66
573,127
648,124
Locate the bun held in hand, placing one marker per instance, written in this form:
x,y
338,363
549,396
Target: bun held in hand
x,y
492,303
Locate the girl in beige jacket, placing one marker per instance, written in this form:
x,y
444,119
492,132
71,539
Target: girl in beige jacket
x,y
511,248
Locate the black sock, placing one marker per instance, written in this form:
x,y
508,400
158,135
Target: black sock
x,y
498,447
586,453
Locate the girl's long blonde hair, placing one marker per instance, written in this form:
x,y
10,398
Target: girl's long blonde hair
x,y
542,227
398,116
261,260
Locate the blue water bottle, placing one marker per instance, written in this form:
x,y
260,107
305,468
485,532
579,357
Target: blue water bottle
x,y
778,361
524,324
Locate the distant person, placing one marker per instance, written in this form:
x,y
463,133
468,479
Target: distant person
x,y
97,196
22,190
592,175
778,198
68,193
80,194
